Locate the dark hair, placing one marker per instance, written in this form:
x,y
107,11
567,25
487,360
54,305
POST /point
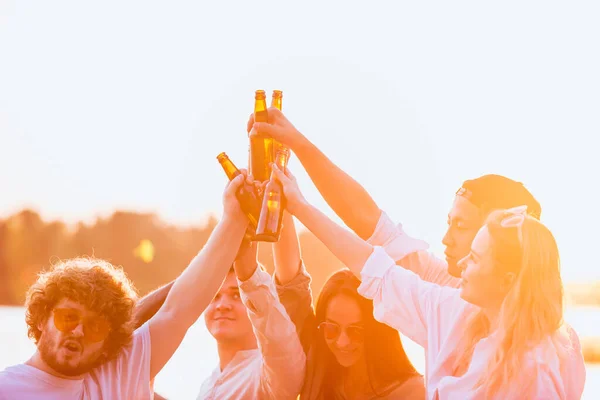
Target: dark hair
x,y
492,192
386,359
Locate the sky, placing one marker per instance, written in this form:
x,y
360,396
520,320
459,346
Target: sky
x,y
125,104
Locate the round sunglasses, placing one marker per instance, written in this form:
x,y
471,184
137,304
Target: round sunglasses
x,y
332,331
95,329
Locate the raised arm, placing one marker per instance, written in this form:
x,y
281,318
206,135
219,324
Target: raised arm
x,y
283,359
353,204
293,282
400,298
286,252
348,199
193,290
149,305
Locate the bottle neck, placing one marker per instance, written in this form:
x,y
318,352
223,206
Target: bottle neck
x,y
230,170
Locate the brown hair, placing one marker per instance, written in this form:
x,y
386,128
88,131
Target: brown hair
x,y
95,284
496,192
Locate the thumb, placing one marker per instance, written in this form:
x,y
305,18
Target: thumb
x,y
234,184
279,174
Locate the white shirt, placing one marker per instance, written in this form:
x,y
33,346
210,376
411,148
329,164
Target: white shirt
x,y
126,377
273,371
568,369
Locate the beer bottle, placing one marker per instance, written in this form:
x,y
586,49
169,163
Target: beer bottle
x,y
273,205
246,195
276,99
261,149
276,102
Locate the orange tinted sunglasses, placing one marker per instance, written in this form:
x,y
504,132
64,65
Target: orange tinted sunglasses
x,y
95,329
332,331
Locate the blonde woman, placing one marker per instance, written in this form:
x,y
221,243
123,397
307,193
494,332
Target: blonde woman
x,y
499,336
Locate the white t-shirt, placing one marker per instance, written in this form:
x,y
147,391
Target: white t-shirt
x,y
126,377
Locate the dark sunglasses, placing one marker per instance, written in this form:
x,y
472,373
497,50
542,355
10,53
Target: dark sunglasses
x,y
95,329
332,331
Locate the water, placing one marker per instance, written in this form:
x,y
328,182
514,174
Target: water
x,y
197,356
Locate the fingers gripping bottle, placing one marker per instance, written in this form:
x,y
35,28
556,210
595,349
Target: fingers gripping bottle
x,y
273,204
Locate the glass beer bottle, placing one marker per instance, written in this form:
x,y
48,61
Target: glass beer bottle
x,y
276,101
261,149
246,195
273,205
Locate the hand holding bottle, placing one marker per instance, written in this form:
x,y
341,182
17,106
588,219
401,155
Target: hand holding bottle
x,y
291,190
278,127
231,205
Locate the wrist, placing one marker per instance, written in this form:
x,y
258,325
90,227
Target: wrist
x,y
299,142
296,208
235,220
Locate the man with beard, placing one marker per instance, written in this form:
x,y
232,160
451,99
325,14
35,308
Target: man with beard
x,y
80,316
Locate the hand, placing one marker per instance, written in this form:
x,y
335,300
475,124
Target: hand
x,y
278,128
231,206
293,196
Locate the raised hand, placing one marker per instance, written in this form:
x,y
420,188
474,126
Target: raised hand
x,y
231,206
293,196
278,128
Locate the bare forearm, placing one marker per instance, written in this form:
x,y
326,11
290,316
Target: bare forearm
x,y
196,286
286,252
245,266
148,305
351,250
348,199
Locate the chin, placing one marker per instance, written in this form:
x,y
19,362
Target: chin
x,y
469,298
347,360
464,294
453,268
225,334
72,367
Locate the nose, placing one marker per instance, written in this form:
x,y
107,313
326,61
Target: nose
x,y
343,340
223,304
447,240
78,330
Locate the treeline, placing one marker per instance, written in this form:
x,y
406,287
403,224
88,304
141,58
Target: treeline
x,y
151,251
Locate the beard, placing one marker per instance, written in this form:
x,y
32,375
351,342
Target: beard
x,y
48,350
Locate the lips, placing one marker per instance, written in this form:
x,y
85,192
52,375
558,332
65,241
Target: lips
x,y
72,346
221,318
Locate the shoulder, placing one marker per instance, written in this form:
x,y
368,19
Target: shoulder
x,y
15,373
20,378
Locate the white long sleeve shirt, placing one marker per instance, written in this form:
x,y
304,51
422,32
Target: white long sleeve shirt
x,y
273,371
444,306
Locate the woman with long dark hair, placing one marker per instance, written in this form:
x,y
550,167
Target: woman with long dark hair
x,y
349,354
